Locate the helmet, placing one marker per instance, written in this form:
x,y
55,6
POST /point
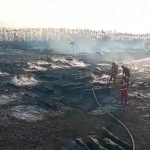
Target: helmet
x,y
113,63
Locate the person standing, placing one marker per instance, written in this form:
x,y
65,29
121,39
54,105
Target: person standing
x,y
123,89
114,70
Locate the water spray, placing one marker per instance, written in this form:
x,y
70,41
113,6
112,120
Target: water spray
x,y
140,60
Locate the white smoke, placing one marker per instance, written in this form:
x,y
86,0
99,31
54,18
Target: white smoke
x,y
24,81
36,67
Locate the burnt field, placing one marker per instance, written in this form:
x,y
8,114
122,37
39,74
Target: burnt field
x,y
47,102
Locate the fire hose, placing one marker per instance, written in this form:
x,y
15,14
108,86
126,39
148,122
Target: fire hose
x,y
131,137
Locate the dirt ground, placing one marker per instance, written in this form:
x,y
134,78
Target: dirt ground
x,y
51,133
136,117
54,132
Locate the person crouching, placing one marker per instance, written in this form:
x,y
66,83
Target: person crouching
x,y
124,91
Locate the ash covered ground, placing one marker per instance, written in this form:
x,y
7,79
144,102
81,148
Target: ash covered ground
x,y
47,102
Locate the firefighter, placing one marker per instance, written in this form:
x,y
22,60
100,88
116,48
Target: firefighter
x,y
124,91
114,70
126,72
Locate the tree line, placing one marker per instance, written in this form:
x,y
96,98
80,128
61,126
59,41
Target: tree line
x,y
47,34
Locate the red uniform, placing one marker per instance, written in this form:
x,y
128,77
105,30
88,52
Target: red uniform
x,y
123,89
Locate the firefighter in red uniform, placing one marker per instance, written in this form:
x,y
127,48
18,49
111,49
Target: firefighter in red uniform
x,y
123,88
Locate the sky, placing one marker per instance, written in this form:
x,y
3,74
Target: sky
x,y
121,15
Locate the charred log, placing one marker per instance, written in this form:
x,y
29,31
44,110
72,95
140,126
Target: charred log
x,y
115,139
93,144
81,144
109,144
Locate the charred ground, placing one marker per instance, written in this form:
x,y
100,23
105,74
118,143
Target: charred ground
x,y
47,103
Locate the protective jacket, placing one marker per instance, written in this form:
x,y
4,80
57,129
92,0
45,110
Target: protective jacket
x,y
123,85
114,70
